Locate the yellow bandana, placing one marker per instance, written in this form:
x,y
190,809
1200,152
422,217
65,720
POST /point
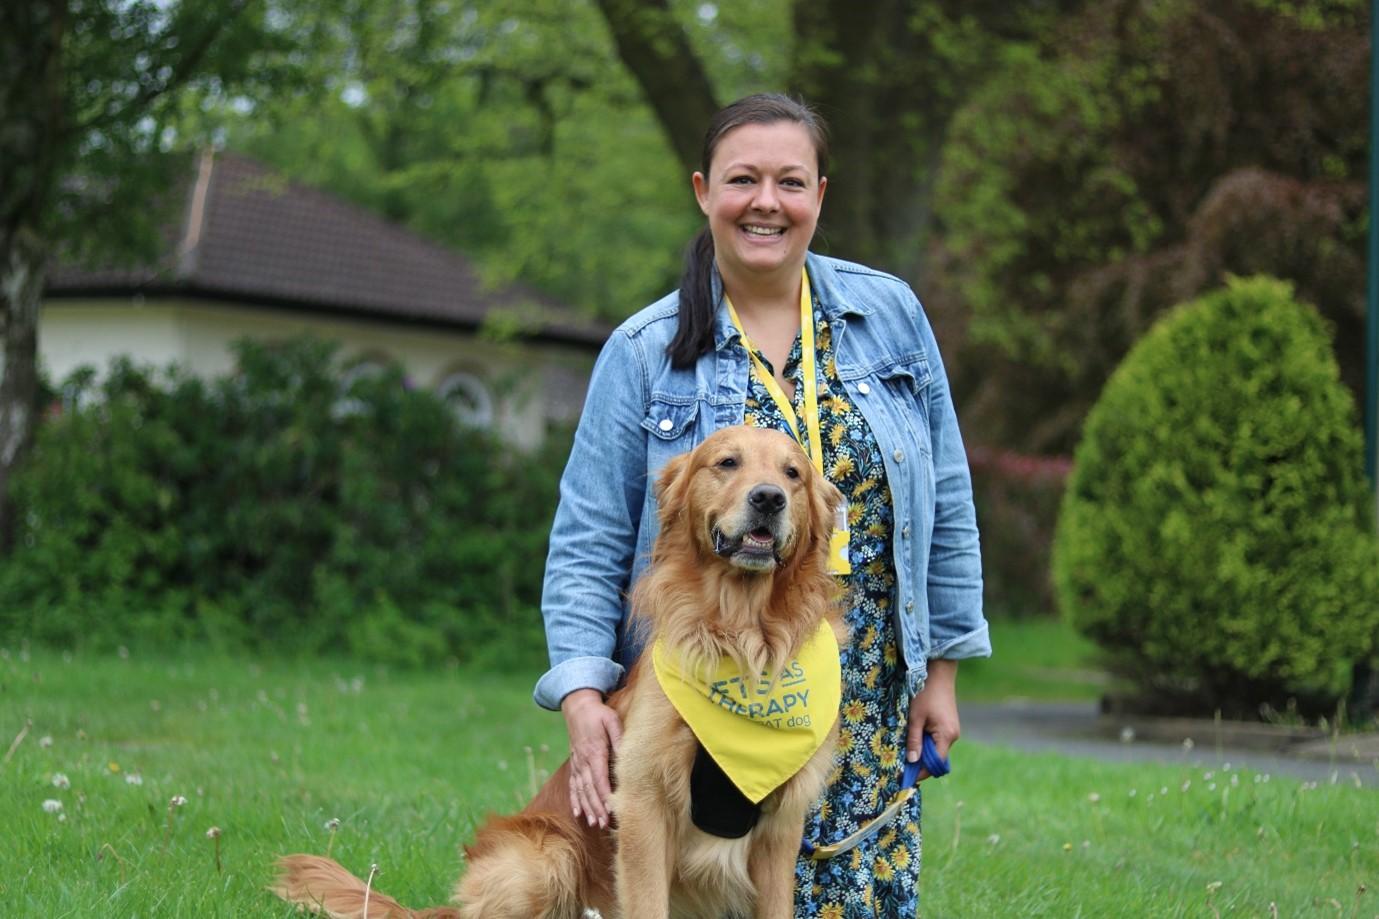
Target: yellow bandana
x,y
759,732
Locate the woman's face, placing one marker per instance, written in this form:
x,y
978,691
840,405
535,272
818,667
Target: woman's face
x,y
762,197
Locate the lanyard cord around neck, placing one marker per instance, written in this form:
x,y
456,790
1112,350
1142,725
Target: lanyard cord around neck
x,y
807,370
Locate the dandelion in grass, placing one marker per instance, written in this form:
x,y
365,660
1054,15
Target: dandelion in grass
x,y
134,778
368,887
52,806
1207,776
332,825
45,741
61,781
114,767
994,839
1186,785
1067,847
213,834
174,803
1094,798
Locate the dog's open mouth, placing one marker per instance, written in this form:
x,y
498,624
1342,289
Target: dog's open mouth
x,y
754,549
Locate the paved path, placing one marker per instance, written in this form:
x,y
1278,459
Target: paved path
x,y
1078,729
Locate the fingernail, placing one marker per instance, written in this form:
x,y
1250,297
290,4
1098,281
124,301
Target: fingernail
x,y
911,756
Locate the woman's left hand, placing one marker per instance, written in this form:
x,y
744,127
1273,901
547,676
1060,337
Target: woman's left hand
x,y
934,709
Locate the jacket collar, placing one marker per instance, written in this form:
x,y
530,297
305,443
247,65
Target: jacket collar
x,y
828,288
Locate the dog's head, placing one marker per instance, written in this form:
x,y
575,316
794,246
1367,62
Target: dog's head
x,y
750,497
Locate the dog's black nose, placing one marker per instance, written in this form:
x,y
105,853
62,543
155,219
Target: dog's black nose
x,y
767,498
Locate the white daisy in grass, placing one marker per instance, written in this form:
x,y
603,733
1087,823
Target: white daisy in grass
x,y
52,806
134,778
61,781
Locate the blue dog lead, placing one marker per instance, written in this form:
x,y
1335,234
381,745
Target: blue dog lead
x,y
929,759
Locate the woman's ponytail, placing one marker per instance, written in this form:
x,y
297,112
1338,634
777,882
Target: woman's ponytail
x,y
694,334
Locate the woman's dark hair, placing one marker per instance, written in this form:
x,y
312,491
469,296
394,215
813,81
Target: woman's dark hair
x,y
694,336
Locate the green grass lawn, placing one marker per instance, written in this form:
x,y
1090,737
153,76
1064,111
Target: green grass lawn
x,y
408,762
1033,659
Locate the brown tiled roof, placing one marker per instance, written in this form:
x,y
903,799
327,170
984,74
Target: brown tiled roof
x,y
249,235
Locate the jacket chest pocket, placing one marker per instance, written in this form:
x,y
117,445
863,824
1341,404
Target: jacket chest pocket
x,y
672,429
907,383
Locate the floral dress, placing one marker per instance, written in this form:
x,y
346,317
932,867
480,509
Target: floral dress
x,y
880,876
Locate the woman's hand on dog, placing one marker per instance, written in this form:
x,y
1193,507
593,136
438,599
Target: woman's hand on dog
x,y
595,731
934,709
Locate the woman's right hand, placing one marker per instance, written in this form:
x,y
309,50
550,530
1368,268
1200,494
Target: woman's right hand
x,y
595,731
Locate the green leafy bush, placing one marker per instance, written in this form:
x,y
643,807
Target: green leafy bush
x,y
1216,538
272,509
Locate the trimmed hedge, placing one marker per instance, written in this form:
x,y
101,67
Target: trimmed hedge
x,y
271,509
1216,538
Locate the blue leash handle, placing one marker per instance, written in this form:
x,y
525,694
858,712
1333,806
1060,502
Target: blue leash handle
x,y
937,766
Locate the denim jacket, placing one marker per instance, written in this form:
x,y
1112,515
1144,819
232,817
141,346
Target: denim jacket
x,y
640,412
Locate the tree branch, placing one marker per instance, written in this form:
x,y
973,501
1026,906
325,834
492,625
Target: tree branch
x,y
182,70
657,52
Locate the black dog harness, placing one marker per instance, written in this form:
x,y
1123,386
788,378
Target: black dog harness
x,y
716,805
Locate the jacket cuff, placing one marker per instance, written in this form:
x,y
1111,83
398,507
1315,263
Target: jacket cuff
x,y
976,643
576,673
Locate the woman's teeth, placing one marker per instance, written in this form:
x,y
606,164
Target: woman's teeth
x,y
764,231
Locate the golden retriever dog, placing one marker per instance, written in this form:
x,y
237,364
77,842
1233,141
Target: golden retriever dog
x,y
739,572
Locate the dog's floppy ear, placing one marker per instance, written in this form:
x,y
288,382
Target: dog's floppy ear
x,y
671,487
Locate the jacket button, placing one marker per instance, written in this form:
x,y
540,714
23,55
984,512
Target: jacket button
x,y
905,533
666,424
899,456
863,388
910,606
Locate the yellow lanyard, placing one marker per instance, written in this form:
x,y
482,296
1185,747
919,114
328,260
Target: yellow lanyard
x,y
838,544
807,369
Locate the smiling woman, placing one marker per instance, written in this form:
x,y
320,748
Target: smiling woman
x,y
842,359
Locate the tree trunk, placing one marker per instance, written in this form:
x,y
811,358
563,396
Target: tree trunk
x,y
656,50
31,124
865,74
21,285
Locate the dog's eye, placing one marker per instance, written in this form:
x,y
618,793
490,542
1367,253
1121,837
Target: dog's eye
x,y
791,472
728,462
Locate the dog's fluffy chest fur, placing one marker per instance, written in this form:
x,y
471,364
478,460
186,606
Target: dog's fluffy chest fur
x,y
708,876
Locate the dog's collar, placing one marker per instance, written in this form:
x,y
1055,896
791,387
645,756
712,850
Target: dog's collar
x,y
761,730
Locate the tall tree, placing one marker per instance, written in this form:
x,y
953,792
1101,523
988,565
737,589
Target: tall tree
x,y
1164,146
88,89
888,76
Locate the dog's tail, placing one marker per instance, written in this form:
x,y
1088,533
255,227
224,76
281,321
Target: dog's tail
x,y
526,866
322,886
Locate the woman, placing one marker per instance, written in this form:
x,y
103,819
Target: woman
x,y
727,349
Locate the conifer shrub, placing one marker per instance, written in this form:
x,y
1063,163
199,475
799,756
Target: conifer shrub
x,y
277,508
1216,537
